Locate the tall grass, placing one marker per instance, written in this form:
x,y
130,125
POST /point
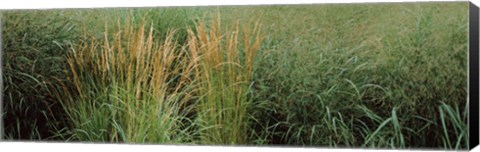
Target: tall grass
x,y
33,44
131,89
361,75
382,79
224,71
128,89
34,49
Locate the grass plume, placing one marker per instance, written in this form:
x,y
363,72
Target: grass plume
x,y
224,71
128,87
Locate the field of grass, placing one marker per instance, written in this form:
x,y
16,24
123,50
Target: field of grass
x,y
349,75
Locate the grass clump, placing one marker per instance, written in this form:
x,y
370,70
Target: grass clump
x,y
127,88
224,65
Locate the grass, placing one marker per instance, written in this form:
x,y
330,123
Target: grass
x,y
34,46
357,75
367,70
224,71
128,82
32,67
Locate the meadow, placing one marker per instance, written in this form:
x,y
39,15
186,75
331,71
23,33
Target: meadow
x,y
330,75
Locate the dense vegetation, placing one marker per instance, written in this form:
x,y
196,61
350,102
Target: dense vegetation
x,y
353,75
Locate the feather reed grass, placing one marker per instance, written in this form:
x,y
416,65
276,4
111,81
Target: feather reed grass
x,y
224,70
128,87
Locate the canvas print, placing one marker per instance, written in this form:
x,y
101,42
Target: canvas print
x,y
373,75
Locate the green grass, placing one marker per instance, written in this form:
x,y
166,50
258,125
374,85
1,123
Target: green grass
x,y
32,48
353,75
380,77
